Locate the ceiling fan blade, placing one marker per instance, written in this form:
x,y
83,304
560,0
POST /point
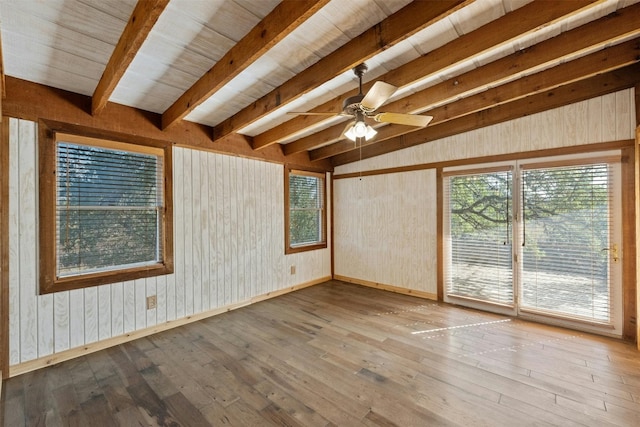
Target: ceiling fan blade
x,y
377,95
403,119
308,113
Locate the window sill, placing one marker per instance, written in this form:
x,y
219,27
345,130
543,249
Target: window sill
x,y
305,248
47,285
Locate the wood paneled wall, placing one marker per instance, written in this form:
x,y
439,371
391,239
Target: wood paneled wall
x,y
229,248
396,212
382,230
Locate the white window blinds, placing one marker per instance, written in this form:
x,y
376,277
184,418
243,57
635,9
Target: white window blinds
x,y
479,236
109,209
306,209
566,219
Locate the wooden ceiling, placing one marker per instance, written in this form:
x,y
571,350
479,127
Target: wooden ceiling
x,y
240,66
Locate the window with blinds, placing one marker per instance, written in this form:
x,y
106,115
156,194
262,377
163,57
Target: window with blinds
x,y
306,214
479,236
108,209
104,216
566,220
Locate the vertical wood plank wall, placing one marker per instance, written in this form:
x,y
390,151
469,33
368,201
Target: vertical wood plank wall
x,y
229,247
384,229
396,212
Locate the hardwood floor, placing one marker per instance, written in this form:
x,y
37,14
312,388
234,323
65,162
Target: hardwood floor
x,y
345,355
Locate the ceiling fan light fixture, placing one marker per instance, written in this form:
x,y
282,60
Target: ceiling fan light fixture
x,y
360,130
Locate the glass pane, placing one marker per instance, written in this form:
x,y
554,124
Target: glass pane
x,y
305,209
305,226
304,192
480,263
98,240
566,240
107,209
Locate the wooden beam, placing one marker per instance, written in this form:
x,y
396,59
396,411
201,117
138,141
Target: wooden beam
x,y
33,101
521,21
597,34
397,27
143,18
599,85
282,20
582,68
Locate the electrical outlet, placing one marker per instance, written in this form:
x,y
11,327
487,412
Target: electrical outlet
x,y
293,269
152,302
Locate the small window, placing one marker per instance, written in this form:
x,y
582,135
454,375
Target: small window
x,y
104,213
305,213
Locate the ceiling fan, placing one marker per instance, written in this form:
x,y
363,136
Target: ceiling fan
x,y
363,107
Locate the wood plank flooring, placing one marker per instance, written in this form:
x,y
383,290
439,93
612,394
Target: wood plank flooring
x,y
338,354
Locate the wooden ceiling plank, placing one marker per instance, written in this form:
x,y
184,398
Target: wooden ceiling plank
x,y
496,33
599,62
397,27
598,85
599,33
142,20
280,22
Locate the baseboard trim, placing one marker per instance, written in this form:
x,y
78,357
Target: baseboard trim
x,y
390,288
72,353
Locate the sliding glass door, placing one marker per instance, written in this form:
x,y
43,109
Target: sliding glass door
x,y
568,240
480,229
537,239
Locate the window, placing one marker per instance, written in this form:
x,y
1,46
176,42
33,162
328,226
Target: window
x,y
104,215
305,214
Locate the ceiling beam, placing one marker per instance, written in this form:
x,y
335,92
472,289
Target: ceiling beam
x,y
598,85
33,101
142,20
595,35
599,62
278,24
397,27
499,32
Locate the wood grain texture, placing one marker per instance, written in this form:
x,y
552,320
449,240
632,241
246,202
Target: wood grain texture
x,y
33,102
340,354
587,66
280,22
629,244
384,234
228,249
392,30
604,118
4,248
142,20
509,26
591,88
637,217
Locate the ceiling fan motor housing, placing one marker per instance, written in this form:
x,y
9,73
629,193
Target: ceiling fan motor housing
x,y
352,104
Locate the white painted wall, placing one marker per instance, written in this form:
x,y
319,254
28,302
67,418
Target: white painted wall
x,y
392,239
229,247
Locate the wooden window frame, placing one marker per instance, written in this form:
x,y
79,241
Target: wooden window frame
x,y
288,249
49,132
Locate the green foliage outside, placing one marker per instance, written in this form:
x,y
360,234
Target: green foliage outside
x,y
108,207
305,209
